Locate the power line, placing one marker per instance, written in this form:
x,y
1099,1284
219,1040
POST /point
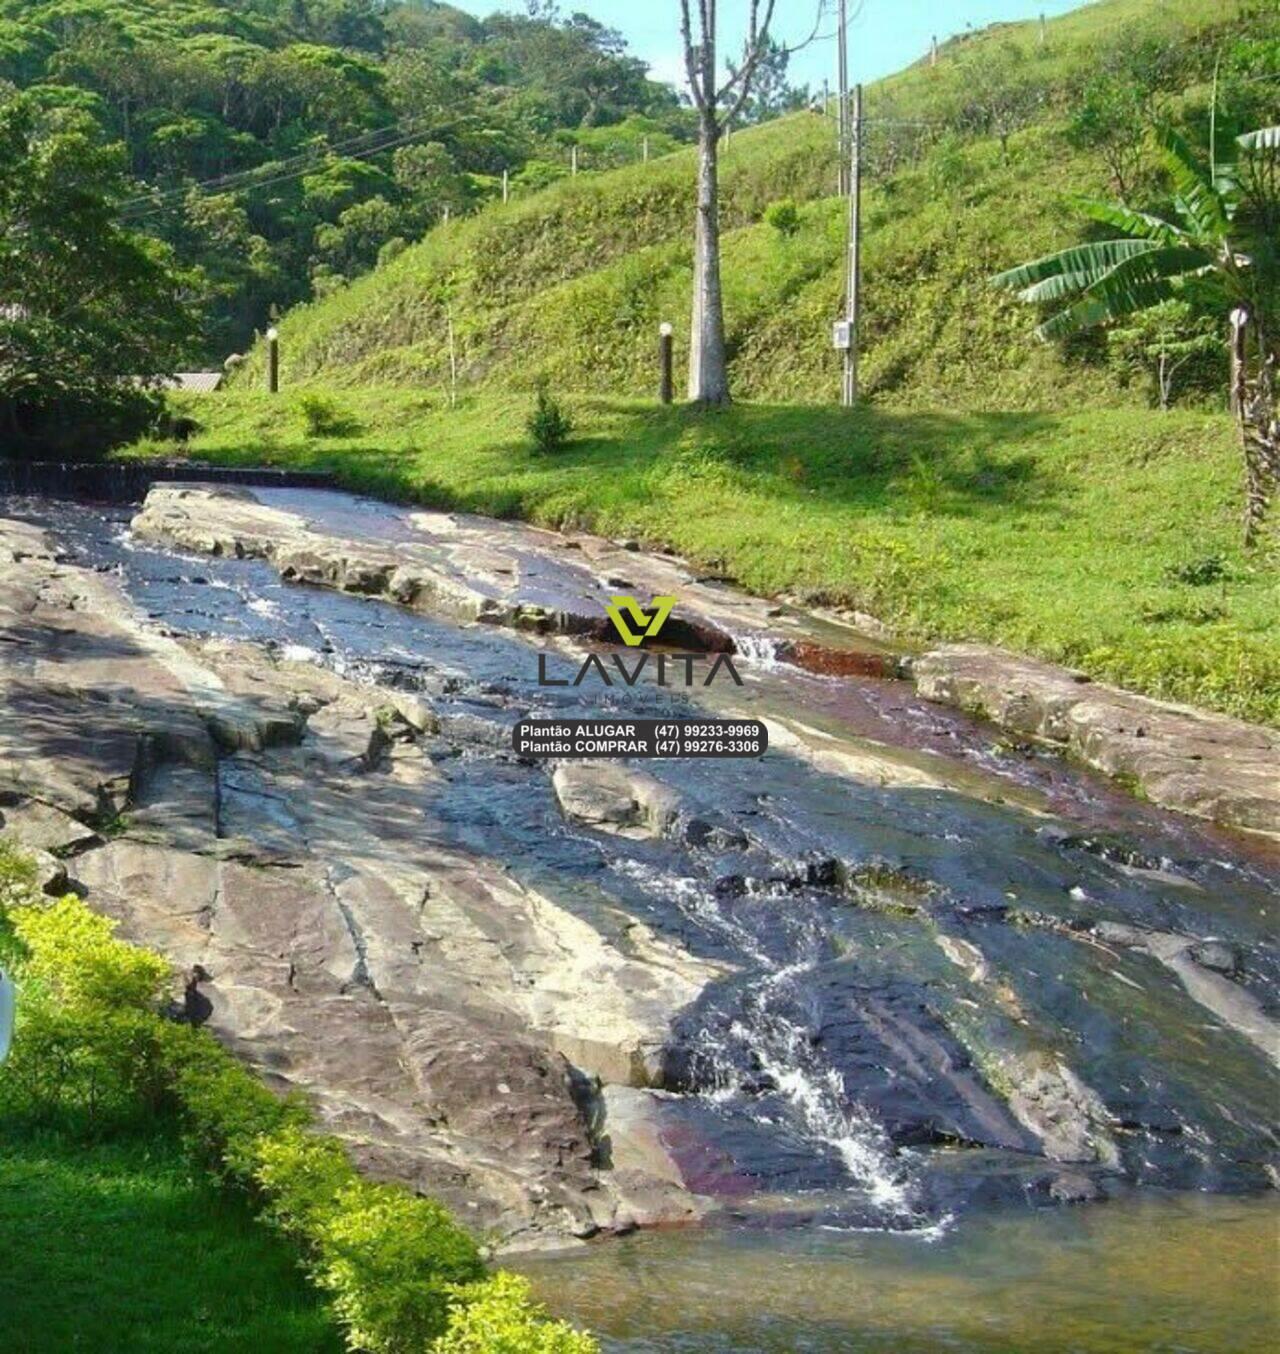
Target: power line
x,y
168,199
248,178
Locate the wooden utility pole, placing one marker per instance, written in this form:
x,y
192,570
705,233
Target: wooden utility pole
x,y
842,98
849,392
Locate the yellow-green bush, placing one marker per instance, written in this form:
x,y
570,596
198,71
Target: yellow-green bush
x,y
92,1042
74,954
498,1316
395,1264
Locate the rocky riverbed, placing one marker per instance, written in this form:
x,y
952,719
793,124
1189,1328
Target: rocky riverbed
x,y
893,970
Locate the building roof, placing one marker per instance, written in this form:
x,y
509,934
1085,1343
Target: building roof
x,y
205,381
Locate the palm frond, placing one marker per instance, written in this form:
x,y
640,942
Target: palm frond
x,y
1083,262
1197,199
1265,141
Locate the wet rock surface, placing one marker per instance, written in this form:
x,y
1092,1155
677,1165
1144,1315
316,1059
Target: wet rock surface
x,y
853,981
1198,763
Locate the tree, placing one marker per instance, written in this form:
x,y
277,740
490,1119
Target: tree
x,y
1123,98
1223,253
997,93
717,106
90,313
773,94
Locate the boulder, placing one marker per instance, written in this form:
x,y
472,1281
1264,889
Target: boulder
x,y
614,797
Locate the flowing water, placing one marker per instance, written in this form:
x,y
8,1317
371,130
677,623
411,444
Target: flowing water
x,y
873,1193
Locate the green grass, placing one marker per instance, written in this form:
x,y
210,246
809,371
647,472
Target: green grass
x,y
1105,538
125,1245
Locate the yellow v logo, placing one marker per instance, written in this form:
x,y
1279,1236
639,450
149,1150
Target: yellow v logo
x,y
626,611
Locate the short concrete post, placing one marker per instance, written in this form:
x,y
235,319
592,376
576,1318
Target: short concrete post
x,y
273,361
666,363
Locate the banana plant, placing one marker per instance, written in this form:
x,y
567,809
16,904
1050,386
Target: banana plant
x,y
1222,252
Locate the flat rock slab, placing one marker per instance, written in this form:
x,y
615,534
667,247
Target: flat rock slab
x,y
1195,762
501,573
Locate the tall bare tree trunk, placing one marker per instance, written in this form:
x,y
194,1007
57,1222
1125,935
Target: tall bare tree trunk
x,y
717,107
708,358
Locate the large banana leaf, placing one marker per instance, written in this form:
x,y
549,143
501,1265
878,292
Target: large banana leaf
x,y
1092,310
1073,268
1197,200
1134,283
1142,225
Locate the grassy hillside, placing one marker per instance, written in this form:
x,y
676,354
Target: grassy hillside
x,y
572,282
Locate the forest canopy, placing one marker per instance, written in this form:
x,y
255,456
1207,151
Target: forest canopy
x,y
278,146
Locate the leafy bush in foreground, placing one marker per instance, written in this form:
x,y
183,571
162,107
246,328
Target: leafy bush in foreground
x,y
92,1045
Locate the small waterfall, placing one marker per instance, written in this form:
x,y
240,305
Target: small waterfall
x,y
760,651
767,1049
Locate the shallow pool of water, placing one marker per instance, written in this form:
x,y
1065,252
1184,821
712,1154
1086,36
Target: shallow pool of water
x,y
1178,1273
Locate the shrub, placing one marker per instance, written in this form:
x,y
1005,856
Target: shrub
x,y
321,417
499,1317
393,1263
1198,573
301,1175
226,1113
392,250
548,423
74,954
783,216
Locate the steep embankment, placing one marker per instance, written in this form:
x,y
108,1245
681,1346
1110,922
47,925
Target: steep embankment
x,y
571,282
